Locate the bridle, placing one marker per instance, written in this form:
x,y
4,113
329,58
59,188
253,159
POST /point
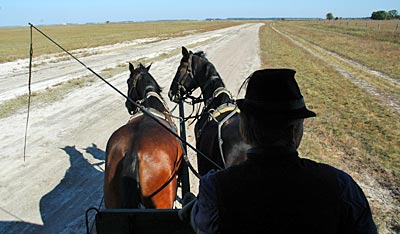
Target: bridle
x,y
208,109
187,95
188,74
133,87
147,92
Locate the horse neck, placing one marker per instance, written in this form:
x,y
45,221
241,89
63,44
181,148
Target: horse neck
x,y
155,101
212,82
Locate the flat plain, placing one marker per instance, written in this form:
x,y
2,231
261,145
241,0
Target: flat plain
x,y
349,73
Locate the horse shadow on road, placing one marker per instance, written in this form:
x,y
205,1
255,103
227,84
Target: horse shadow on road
x,y
63,209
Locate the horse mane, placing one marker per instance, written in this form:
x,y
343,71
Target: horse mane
x,y
142,68
200,53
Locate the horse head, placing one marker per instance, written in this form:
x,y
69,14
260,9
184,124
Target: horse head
x,y
140,83
186,79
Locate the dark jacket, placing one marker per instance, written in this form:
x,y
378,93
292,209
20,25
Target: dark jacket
x,y
275,191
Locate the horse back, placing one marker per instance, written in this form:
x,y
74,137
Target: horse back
x,y
207,141
116,175
234,147
137,153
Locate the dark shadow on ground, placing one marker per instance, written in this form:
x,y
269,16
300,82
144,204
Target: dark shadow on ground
x,y
63,208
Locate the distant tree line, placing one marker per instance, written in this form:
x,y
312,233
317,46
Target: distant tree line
x,y
385,15
376,15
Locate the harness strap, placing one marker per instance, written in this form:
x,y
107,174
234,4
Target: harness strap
x,y
156,95
177,163
216,93
162,115
221,90
189,73
220,141
151,110
213,115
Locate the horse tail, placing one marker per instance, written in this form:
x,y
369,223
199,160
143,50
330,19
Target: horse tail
x,y
130,183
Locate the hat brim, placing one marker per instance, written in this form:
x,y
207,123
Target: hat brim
x,y
247,106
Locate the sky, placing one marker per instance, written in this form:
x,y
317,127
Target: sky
x,y
39,12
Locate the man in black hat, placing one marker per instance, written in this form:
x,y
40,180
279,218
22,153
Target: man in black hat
x,y
274,190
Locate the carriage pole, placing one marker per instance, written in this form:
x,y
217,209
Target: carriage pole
x,y
184,172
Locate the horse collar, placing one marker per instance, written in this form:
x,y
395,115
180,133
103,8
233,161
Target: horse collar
x,y
156,95
216,93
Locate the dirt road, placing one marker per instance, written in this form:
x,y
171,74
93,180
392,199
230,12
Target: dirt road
x,y
62,175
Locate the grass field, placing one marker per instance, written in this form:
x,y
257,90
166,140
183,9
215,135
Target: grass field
x,y
57,92
379,50
14,42
363,27
352,131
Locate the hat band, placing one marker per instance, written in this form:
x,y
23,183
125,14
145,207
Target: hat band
x,y
279,106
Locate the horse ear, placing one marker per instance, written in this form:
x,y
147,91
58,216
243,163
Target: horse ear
x,y
131,68
148,67
185,52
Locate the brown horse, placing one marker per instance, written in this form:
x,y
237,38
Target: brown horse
x,y
217,128
142,157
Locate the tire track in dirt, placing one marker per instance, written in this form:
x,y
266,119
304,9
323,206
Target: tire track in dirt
x,y
349,69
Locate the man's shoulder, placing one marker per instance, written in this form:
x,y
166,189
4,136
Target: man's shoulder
x,y
322,166
344,181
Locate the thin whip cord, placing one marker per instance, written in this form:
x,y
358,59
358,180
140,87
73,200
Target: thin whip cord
x,y
29,91
130,100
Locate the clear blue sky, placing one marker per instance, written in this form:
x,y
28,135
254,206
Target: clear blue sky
x,y
20,12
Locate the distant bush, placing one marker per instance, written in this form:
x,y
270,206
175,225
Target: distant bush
x,y
384,15
393,14
329,16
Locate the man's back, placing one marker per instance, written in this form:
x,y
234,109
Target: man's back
x,y
278,192
275,191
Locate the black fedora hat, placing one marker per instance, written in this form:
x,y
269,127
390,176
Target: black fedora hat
x,y
274,94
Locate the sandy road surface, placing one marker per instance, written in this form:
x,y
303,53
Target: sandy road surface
x,y
63,172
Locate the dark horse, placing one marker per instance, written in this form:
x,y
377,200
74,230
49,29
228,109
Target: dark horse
x,y
217,129
142,158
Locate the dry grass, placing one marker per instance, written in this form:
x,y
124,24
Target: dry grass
x,y
49,95
387,87
363,27
14,42
379,50
58,91
352,130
